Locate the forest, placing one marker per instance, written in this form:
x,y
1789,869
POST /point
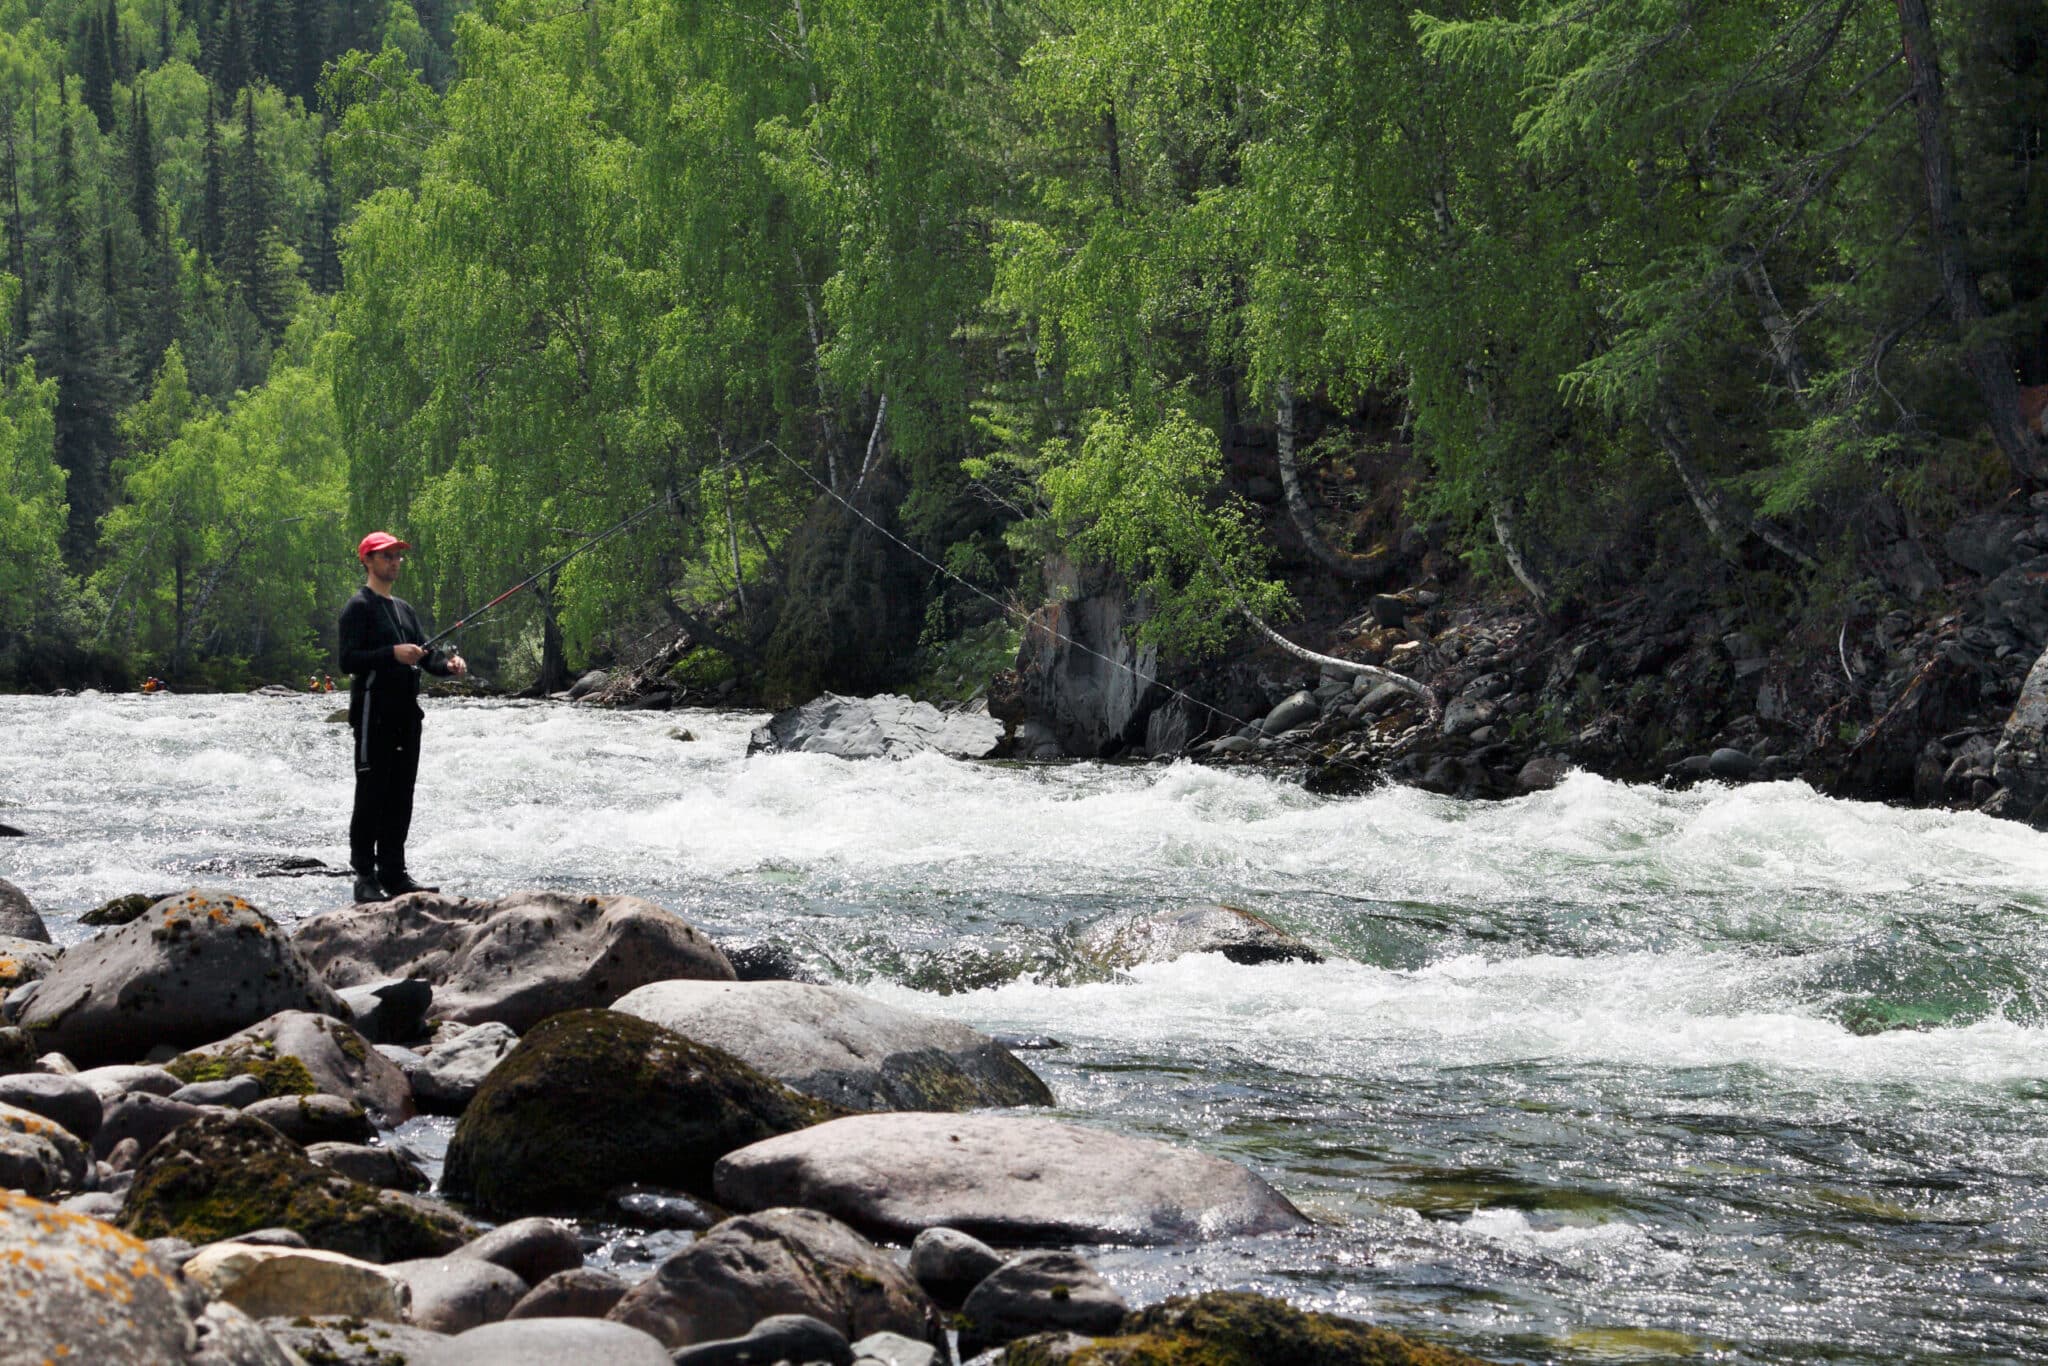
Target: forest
x,y
1570,294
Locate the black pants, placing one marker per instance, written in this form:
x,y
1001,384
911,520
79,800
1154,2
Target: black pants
x,y
387,763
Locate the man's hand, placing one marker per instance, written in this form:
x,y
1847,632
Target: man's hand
x,y
408,654
457,666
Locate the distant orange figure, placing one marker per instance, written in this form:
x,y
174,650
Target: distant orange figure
x,y
327,683
312,682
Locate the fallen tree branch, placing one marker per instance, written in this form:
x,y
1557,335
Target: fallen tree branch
x,y
1420,691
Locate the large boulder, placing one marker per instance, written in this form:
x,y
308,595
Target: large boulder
x,y
58,1274
450,1074
1238,935
455,1294
1039,1292
330,1053
885,727
65,1101
2020,762
18,918
25,960
516,960
1008,1179
1079,671
784,1261
545,1342
198,966
843,1047
1237,1328
594,1099
264,1280
222,1175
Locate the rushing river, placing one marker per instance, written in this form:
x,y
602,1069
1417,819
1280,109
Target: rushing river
x,y
1603,1074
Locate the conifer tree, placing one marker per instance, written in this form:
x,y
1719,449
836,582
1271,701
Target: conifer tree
x,y
247,258
142,168
96,81
212,204
232,59
15,224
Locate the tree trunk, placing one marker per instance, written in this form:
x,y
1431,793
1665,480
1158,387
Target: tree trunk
x,y
554,662
1298,510
1402,681
1723,521
1507,531
1986,356
1784,346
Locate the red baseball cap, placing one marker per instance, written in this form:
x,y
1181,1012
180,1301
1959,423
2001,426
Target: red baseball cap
x,y
380,540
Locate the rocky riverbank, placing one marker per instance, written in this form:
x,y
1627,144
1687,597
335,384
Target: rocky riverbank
x,y
198,1116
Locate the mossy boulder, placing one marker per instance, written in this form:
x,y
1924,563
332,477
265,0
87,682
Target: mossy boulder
x,y
1236,1328
331,1055
223,1175
285,1076
196,967
121,909
592,1100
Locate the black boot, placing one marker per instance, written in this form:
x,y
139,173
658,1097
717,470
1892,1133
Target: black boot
x,y
400,882
367,889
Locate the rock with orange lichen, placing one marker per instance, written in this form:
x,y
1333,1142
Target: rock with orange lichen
x,y
195,968
80,1290
74,1159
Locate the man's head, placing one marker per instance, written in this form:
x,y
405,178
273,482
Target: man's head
x,y
382,555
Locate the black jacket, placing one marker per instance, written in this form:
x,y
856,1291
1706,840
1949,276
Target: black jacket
x,y
382,693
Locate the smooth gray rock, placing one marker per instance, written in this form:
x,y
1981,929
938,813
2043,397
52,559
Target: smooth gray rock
x,y
64,1101
454,1294
65,1269
516,960
779,1337
446,1078
1543,772
842,1047
144,1118
777,1261
1036,1293
1003,1178
18,917
885,727
1731,764
391,1012
531,1249
314,1119
546,1342
232,1092
893,1349
336,1341
1237,934
110,1082
589,682
1297,710
388,1168
195,967
949,1264
339,1059
579,1293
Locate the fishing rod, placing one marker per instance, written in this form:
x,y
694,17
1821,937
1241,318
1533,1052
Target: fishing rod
x,y
470,618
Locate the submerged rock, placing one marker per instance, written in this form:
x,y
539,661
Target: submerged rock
x,y
198,966
1235,1328
885,727
516,960
223,1175
1007,1179
783,1261
595,1099
1238,935
843,1047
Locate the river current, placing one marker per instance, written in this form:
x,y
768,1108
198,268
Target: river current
x,y
1601,1074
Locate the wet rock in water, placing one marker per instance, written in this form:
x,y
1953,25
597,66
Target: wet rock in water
x,y
1238,935
196,967
594,1099
314,1119
532,1249
779,1337
69,1268
764,963
884,727
949,1264
843,1047
18,917
12,832
329,1053
444,1080
1236,1328
546,1342
579,1293
233,1093
777,1262
222,1175
265,1280
121,910
516,960
1036,1293
336,1340
391,1012
1007,1179
456,1294
1731,764
65,1101
387,1168
646,1208
1543,772
589,683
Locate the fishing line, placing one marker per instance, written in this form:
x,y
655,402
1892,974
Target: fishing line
x,y
1315,756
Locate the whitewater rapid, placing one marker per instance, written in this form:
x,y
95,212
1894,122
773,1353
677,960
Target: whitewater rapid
x,y
1604,1073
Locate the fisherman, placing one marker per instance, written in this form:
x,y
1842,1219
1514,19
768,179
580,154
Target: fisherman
x,y
382,647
